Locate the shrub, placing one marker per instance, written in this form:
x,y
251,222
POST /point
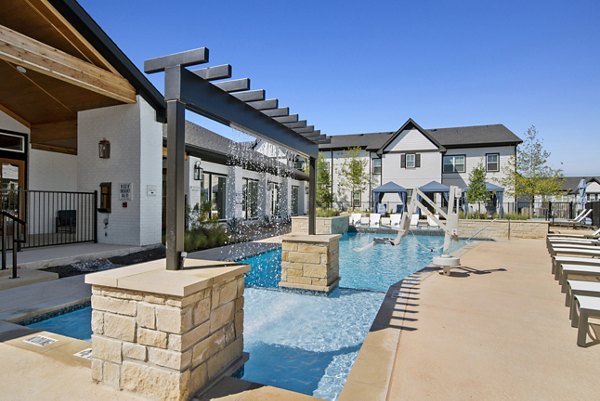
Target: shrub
x,y
330,212
205,236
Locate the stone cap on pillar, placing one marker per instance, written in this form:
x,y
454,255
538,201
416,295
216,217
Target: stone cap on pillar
x,y
315,239
153,277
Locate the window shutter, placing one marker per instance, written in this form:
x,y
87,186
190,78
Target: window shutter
x,y
403,160
417,160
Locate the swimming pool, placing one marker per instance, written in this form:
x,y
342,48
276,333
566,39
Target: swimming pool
x,y
301,342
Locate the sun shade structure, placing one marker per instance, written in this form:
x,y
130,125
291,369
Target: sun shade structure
x,y
389,188
231,103
495,189
435,187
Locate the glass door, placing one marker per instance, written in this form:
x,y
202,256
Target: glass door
x,y
12,180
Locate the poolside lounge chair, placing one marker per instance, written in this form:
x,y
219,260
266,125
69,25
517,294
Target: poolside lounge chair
x,y
559,260
590,253
577,287
587,307
395,220
414,220
574,248
580,220
355,219
595,234
374,219
567,271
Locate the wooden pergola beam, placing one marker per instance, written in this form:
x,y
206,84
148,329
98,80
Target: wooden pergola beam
x,y
31,54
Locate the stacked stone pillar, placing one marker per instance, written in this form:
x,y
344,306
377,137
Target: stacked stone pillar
x,y
166,334
310,262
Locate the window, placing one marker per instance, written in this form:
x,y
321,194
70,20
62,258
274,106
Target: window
x,y
12,143
214,191
355,200
295,200
454,164
250,199
376,164
410,160
492,162
275,196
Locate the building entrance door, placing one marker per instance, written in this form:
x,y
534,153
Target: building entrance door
x,y
12,181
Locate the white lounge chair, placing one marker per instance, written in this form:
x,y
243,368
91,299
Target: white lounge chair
x,y
355,219
374,219
395,220
414,220
567,271
587,307
589,253
592,235
575,248
559,260
577,287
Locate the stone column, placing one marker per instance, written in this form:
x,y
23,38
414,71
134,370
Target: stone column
x,y
310,262
167,334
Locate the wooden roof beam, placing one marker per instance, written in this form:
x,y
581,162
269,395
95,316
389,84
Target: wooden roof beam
x,y
31,54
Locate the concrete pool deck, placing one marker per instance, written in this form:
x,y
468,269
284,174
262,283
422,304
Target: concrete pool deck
x,y
497,330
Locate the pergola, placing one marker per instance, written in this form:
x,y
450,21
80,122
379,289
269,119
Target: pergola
x,y
231,103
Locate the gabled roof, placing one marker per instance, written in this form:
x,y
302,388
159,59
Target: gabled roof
x,y
570,184
476,135
410,123
369,141
454,137
389,187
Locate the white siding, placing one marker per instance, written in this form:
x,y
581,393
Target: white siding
x,y
51,171
474,156
430,170
409,140
9,123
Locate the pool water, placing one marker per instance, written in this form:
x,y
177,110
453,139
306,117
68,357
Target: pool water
x,y
301,342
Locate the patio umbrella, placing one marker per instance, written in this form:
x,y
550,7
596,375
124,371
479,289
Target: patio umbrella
x,y
581,187
389,188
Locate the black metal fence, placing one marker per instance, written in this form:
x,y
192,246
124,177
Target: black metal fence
x,y
52,217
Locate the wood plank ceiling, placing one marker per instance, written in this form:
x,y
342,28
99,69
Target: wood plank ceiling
x,y
63,74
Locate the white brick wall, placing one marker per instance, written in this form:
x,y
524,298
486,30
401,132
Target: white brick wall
x,y
136,149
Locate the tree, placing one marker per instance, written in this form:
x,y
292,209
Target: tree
x,y
529,175
353,173
324,195
477,191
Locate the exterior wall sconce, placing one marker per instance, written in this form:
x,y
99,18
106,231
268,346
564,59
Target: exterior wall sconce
x,y
104,149
198,171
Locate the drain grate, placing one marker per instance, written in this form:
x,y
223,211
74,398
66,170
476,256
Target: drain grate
x,y
40,341
85,354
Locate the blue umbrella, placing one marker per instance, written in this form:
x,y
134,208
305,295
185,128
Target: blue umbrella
x,y
581,192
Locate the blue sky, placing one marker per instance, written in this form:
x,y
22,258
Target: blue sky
x,y
358,66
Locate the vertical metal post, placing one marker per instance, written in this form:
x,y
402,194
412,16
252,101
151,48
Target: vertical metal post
x,y
312,196
175,216
3,242
95,214
14,249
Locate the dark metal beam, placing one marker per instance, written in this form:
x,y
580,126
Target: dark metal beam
x,y
306,130
297,124
277,112
287,119
250,96
216,72
210,101
312,195
268,104
235,85
175,205
184,59
312,134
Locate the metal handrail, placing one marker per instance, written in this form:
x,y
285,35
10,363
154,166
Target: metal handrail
x,y
15,240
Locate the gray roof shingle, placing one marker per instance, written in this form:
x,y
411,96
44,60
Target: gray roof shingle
x,y
477,135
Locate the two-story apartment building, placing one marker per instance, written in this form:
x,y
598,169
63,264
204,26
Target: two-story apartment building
x,y
413,156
